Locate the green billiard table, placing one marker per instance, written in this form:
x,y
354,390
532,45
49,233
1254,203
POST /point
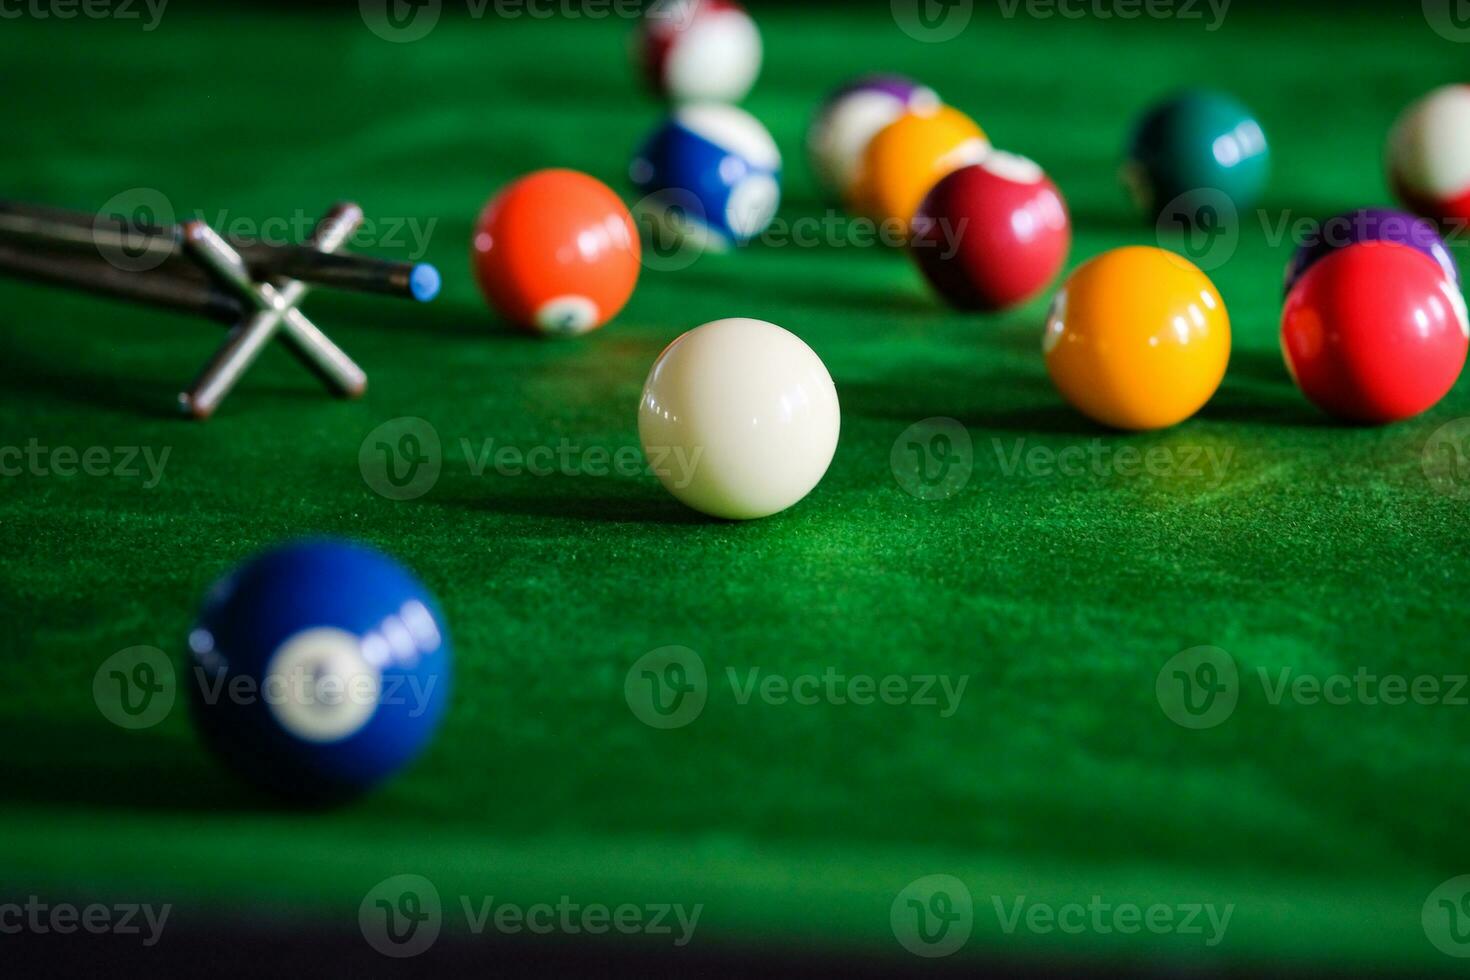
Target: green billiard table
x,y
1093,700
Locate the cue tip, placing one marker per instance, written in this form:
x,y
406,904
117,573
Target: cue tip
x,y
193,407
424,282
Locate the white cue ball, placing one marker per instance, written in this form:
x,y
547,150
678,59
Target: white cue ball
x,y
1429,153
739,418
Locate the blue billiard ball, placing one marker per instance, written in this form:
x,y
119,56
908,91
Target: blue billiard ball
x,y
712,174
1194,149
318,669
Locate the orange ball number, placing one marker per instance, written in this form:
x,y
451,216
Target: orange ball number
x,y
1138,338
557,252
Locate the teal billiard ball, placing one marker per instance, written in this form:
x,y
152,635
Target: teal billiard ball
x,y
1197,154
318,669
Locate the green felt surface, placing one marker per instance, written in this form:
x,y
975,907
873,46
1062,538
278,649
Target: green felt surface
x,y
1316,547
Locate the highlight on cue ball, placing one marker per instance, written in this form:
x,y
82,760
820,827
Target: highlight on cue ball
x,y
739,419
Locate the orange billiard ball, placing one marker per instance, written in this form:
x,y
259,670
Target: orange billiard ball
x,y
556,252
1137,338
908,157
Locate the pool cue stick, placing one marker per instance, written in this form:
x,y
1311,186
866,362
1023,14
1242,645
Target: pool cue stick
x,y
75,229
94,275
407,280
55,227
276,307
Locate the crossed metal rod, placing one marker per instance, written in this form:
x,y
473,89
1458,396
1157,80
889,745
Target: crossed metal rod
x,y
254,288
275,309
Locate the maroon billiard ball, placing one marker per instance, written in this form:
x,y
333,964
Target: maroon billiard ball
x,y
1375,333
993,234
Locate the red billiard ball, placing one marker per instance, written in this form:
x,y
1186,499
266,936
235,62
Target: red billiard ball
x,y
1375,333
992,235
557,252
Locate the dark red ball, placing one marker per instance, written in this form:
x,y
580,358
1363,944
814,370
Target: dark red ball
x,y
993,234
1375,333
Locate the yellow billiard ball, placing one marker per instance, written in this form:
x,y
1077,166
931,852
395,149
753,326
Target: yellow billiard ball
x,y
908,157
1137,338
